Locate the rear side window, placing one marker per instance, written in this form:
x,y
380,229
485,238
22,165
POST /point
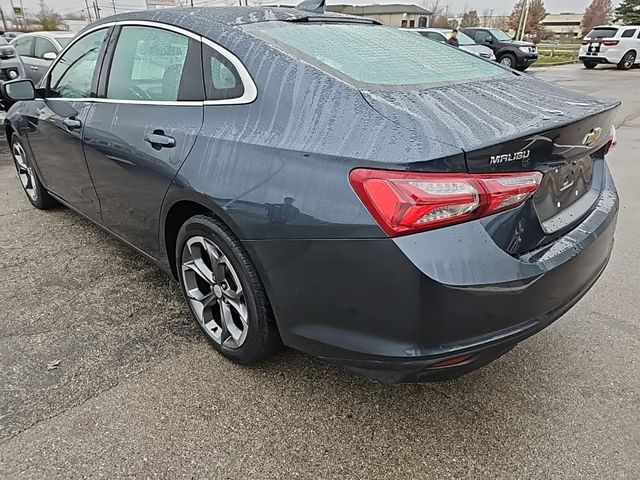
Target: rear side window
x,y
628,33
147,65
377,55
221,78
23,46
602,33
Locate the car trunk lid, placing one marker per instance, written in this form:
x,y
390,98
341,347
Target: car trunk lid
x,y
518,124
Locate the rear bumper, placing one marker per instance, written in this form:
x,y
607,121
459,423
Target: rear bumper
x,y
602,60
394,309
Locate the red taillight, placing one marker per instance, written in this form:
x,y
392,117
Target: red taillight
x,y
613,140
408,202
610,43
586,42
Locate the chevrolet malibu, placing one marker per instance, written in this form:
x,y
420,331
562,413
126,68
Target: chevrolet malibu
x,y
401,208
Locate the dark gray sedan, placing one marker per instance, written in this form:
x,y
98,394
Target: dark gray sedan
x,y
402,208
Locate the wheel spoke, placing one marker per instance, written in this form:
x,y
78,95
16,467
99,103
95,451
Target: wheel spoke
x,y
241,310
230,329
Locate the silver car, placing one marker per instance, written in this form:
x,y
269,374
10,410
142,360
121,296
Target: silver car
x,y
466,42
10,65
37,50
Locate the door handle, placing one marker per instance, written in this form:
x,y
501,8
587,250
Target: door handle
x,y
72,123
34,68
159,140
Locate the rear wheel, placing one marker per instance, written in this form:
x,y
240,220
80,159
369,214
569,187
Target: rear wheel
x,y
223,291
31,185
508,60
627,61
589,64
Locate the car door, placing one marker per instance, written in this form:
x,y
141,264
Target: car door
x,y
56,139
140,130
24,48
38,64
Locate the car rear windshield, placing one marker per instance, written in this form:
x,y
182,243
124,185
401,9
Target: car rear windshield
x,y
602,33
376,55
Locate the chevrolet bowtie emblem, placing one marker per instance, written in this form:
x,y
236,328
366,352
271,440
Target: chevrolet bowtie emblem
x,y
592,137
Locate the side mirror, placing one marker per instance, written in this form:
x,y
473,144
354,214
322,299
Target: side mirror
x,y
18,90
49,56
488,40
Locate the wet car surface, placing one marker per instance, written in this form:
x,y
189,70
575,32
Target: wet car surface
x,y
135,375
480,206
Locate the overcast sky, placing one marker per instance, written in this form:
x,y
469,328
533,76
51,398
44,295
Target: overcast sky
x,y
499,6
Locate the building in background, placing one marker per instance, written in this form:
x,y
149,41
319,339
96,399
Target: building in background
x,y
559,26
393,15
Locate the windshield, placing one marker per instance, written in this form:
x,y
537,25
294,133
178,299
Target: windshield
x,y
376,55
463,39
602,33
64,41
500,35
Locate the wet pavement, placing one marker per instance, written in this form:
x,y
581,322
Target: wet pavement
x,y
104,375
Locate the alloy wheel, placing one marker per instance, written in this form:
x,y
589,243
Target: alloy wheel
x,y
214,292
25,172
506,61
629,59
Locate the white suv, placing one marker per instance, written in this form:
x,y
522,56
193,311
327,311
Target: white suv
x,y
612,44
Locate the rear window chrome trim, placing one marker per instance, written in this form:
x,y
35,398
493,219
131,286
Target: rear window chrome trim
x,y
250,89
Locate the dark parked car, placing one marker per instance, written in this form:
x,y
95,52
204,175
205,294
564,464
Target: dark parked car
x,y
410,222
509,52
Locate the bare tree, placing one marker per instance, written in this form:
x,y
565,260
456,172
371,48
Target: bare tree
x,y
599,12
537,13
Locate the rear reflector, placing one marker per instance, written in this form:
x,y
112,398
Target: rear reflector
x,y
613,140
452,362
409,202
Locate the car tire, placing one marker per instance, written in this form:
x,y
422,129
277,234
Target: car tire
x,y
508,60
223,291
589,65
31,185
627,61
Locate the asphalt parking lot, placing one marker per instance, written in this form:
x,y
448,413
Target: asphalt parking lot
x,y
104,375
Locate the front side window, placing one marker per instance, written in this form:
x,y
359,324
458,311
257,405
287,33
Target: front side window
x,y
72,75
482,36
43,46
376,55
147,64
23,46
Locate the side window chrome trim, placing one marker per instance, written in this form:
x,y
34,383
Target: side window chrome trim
x,y
250,89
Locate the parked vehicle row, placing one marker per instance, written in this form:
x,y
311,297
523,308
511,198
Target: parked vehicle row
x,y
443,35
412,222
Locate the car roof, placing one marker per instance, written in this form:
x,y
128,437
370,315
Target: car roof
x,y
198,19
48,34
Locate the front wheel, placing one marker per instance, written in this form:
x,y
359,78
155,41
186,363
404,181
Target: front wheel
x,y
223,291
508,60
31,184
627,61
589,65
